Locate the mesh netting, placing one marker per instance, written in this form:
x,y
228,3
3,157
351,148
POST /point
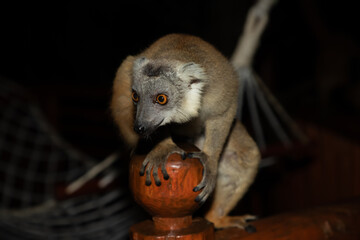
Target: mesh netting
x,y
34,161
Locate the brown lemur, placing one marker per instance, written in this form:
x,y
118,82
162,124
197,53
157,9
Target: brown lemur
x,y
184,85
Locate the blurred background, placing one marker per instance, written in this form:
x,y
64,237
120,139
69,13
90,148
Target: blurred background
x,y
66,54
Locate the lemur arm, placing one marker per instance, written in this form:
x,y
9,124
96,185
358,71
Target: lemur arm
x,y
216,132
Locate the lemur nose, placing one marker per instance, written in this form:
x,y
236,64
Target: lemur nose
x,y
139,129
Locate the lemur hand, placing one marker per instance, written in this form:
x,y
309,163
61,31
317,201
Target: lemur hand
x,y
157,158
208,181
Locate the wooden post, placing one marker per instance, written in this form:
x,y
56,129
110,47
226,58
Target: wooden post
x,y
171,204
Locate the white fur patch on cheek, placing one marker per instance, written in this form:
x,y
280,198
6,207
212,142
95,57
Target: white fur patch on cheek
x,y
188,109
195,79
192,101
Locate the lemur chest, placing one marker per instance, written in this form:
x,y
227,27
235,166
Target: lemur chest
x,y
191,129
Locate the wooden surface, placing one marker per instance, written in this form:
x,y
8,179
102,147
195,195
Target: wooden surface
x,y
174,197
199,229
338,222
171,204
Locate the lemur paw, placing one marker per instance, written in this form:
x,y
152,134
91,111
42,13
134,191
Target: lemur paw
x,y
157,159
241,222
208,181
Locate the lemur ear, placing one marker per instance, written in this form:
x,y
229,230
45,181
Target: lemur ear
x,y
191,73
139,63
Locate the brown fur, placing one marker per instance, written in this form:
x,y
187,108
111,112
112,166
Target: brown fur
x,y
235,171
122,107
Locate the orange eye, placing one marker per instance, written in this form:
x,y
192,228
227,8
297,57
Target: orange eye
x,y
161,99
135,97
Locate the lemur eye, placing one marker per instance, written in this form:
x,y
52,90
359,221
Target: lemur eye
x,y
161,99
135,96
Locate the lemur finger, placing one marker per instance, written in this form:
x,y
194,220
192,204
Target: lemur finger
x,y
200,186
201,198
148,174
163,170
203,182
143,166
199,155
155,171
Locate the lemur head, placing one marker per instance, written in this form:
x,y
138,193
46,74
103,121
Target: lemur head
x,y
165,92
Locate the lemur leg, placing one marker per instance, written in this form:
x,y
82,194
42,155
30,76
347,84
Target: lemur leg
x,y
237,169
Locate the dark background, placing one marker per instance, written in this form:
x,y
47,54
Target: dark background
x,y
66,55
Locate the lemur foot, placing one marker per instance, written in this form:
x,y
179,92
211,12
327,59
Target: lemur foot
x,y
157,159
235,221
208,181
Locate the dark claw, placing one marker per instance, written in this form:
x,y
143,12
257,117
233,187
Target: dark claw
x,y
183,156
190,155
196,189
148,182
142,172
200,200
157,180
164,172
250,229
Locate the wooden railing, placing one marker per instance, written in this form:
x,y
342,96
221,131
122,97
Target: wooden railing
x,y
172,205
339,221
